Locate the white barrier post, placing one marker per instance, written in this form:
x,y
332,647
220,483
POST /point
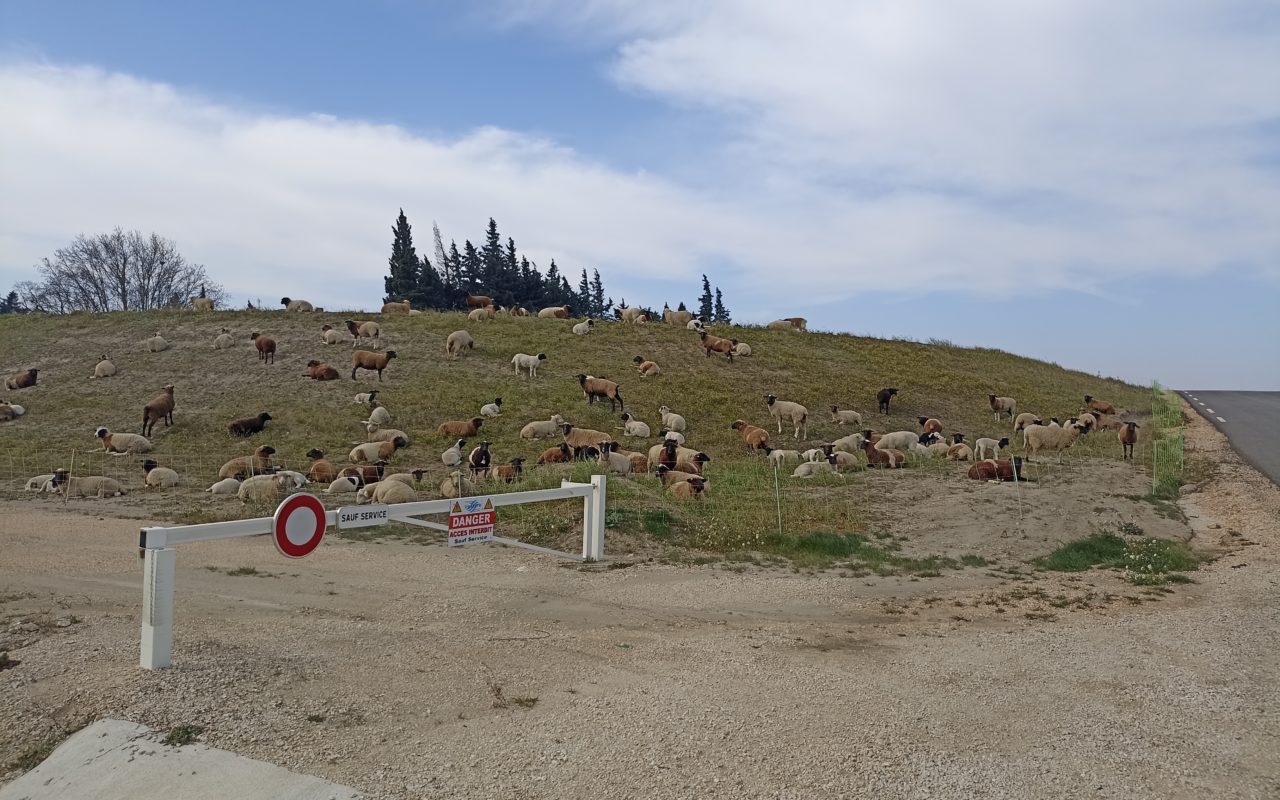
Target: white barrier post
x,y
593,521
159,568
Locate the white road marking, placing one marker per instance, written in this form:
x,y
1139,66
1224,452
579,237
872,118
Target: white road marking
x,y
1210,410
1220,419
1201,402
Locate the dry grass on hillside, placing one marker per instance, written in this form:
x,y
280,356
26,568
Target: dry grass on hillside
x,y
422,389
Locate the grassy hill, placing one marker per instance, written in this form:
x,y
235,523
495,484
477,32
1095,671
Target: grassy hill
x,y
422,389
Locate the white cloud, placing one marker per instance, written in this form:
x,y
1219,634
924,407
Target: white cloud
x,y
989,147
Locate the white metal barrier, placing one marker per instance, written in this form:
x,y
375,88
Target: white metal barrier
x,y
160,559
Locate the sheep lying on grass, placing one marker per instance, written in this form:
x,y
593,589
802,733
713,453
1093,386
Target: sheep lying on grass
x,y
541,429
159,477
103,369
122,443
89,486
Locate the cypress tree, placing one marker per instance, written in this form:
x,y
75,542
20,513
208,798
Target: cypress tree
x,y
705,301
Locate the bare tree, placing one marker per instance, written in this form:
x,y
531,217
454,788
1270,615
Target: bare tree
x,y
117,271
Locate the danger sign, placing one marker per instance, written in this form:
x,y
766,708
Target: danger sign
x,y
471,521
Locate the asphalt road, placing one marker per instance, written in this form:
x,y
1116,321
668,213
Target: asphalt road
x,y
1251,421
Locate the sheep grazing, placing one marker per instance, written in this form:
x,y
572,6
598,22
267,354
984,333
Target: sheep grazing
x,y
989,448
296,305
366,359
160,407
1128,436
1100,406
845,417
541,429
670,420
1050,437
883,459
321,470
633,427
560,454
202,303
361,331
714,344
479,460
248,426
478,301
645,367
103,369
376,451
22,380
155,344
460,428
457,485
794,413
224,340
122,443
266,347
631,315
617,463
554,312
320,371
159,477
755,438
481,314
679,319
453,456
581,438
509,472
930,424
330,335
1086,421
396,308
1003,405
1002,470
245,466
457,345
603,388
686,490
90,486
1024,419
528,363
493,409
882,399
583,328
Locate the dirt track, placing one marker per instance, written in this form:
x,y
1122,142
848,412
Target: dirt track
x,y
376,665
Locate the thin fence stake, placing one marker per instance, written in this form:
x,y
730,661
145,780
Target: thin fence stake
x,y
777,496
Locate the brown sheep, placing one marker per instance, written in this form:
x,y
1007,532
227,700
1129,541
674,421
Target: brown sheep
x,y
377,451
997,470
364,359
518,311
455,429
930,424
1100,406
1109,422
160,407
321,469
320,371
554,312
680,319
885,459
244,466
883,396
396,308
22,380
248,426
266,347
363,330
479,301
692,488
647,368
756,438
367,473
582,438
671,476
693,464
457,344
1128,436
603,388
508,473
556,455
714,344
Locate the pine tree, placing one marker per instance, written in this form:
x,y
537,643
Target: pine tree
x,y
582,304
493,258
471,272
402,279
721,314
681,307
551,295
705,301
599,307
11,304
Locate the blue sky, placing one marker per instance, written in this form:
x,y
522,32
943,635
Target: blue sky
x,y
1090,184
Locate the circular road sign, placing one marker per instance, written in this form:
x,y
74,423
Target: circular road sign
x,y
298,525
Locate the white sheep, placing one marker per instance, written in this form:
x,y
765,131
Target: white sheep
x,y
264,487
225,486
493,409
740,348
695,325
89,486
898,440
159,477
541,429
1024,419
665,434
330,335
845,417
807,469
481,314
986,448
1050,437
453,456
10,411
364,398
386,491
377,433
617,463
583,328
795,413
344,485
156,343
849,444
40,483
103,369
379,415
457,485
813,454
634,427
780,457
672,421
123,443
528,363
224,340
458,343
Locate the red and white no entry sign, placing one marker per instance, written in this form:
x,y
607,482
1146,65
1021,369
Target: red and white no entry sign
x,y
298,525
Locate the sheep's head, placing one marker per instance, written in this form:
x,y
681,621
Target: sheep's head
x,y
264,416
770,399
266,450
390,354
542,356
477,421
566,427
957,437
101,433
313,363
581,377
737,426
315,453
148,465
1004,442
400,442
284,301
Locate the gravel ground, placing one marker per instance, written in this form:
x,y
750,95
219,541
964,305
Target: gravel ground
x,y
410,671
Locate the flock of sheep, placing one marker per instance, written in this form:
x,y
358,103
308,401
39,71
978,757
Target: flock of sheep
x,y
680,468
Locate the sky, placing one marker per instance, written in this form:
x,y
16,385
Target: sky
x,y
1091,183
